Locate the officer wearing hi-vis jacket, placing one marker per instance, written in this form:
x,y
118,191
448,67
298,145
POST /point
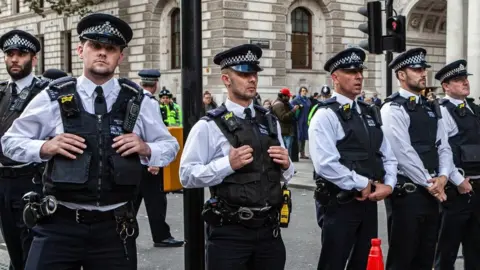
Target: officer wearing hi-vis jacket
x,y
411,124
351,156
461,212
237,151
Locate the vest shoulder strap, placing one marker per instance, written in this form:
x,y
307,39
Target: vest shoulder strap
x,y
3,88
41,84
61,86
130,85
214,113
395,100
260,109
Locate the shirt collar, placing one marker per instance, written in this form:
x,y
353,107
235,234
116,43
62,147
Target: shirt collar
x,y
23,82
454,100
238,110
344,100
88,86
407,94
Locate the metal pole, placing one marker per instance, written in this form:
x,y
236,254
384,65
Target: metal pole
x,y
389,54
191,53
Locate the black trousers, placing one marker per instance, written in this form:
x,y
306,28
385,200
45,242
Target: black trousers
x,y
413,222
16,235
64,244
235,247
347,232
151,190
460,223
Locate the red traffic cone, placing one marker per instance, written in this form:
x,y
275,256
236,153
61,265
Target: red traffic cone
x,y
375,258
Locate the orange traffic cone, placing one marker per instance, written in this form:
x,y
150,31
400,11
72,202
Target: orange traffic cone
x,y
375,258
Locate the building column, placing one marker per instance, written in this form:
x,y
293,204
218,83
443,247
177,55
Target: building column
x,y
455,30
473,51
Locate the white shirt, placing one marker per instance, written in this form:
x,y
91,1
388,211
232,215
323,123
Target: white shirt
x,y
205,161
396,123
324,132
451,129
41,119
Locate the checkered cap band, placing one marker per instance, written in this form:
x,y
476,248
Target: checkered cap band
x,y
19,41
105,28
238,59
460,69
412,60
351,59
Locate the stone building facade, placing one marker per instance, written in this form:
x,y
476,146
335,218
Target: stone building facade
x,y
298,37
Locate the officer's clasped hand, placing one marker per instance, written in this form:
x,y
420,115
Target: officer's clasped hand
x,y
280,156
465,187
365,192
130,143
381,192
438,187
65,144
240,156
153,170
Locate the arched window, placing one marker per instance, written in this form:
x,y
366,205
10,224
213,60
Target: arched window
x,y
175,39
301,38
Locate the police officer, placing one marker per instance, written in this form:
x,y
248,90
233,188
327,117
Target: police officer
x,y
20,54
171,112
151,188
461,212
325,93
350,156
412,126
53,74
237,151
103,129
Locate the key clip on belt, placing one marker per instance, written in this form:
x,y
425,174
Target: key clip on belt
x,y
245,213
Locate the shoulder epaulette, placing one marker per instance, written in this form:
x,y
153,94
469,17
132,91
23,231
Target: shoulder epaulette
x,y
42,84
148,94
470,100
363,103
124,82
443,101
260,108
392,96
327,102
217,112
59,85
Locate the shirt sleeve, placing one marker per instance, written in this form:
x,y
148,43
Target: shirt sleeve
x,y
24,139
323,133
198,165
395,128
164,147
390,163
288,173
446,164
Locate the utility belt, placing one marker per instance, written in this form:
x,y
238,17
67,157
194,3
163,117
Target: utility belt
x,y
327,192
17,172
452,192
37,209
405,186
217,212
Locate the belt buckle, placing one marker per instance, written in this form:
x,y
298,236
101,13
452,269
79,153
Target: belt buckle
x,y
409,187
77,216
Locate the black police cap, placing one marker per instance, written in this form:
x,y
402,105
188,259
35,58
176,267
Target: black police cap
x,y
455,69
165,92
105,28
413,58
351,58
53,74
149,75
243,58
19,40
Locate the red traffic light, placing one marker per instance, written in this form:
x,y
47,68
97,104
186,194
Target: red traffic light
x,y
395,24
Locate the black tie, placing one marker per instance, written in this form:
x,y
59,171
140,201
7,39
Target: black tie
x,y
100,103
13,87
248,114
354,107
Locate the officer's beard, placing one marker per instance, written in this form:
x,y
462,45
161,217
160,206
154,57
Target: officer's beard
x,y
24,71
238,94
415,86
105,73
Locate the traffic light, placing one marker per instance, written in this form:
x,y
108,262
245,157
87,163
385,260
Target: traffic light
x,y
396,34
373,27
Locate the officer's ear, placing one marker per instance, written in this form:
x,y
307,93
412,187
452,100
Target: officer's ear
x,y
34,59
335,77
402,75
226,78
